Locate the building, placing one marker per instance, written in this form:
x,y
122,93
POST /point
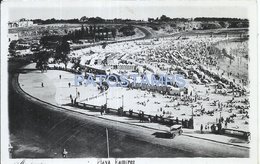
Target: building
x,y
25,23
12,24
188,26
12,36
21,23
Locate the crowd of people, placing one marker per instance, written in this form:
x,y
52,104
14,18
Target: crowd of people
x,y
196,57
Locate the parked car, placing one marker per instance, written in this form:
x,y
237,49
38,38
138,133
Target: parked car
x,y
175,130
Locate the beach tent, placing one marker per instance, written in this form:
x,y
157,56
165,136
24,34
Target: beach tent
x,y
173,91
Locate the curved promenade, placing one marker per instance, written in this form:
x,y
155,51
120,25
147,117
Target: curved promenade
x,y
46,94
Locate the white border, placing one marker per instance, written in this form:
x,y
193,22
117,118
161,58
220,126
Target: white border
x,y
252,15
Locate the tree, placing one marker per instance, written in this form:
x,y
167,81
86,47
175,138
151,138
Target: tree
x,y
114,33
77,34
94,32
42,58
150,20
83,19
99,32
86,30
233,25
224,24
82,30
49,42
245,24
62,51
127,30
76,64
90,30
106,30
164,18
12,47
102,33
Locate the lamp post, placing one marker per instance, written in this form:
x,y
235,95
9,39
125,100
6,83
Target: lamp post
x,y
123,102
107,143
192,117
192,111
220,117
106,98
76,92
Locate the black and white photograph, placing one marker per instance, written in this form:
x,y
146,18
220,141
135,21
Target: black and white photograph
x,y
129,82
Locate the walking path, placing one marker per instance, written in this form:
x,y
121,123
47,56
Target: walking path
x,y
31,84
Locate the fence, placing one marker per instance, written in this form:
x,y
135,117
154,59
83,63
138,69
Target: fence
x,y
237,133
64,69
136,115
93,97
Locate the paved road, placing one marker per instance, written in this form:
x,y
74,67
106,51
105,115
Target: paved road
x,y
41,130
148,34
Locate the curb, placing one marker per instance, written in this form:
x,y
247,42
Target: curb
x,y
216,141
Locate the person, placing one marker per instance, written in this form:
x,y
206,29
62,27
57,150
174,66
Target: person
x,y
149,118
70,96
130,112
140,116
222,119
60,76
248,137
156,118
213,128
69,85
201,128
64,153
10,147
75,101
42,85
102,110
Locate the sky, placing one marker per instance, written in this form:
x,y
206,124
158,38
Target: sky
x,y
138,10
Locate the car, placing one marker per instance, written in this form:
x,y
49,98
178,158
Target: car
x,y
175,130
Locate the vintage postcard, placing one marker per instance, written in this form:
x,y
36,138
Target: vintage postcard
x,y
129,82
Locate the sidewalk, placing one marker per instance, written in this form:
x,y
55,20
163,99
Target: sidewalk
x,y
206,135
49,97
